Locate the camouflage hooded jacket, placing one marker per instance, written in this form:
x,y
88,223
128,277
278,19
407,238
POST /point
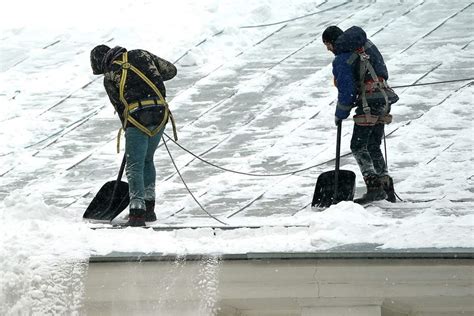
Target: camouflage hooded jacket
x,y
153,67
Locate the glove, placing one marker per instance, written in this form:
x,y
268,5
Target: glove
x,y
337,120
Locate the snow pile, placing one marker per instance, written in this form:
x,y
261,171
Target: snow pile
x,y
43,258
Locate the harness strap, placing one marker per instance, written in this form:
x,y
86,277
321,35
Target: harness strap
x,y
366,66
125,65
371,86
364,60
355,55
143,104
365,119
119,134
371,120
385,119
380,85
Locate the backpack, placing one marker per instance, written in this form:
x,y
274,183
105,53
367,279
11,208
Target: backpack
x,y
374,92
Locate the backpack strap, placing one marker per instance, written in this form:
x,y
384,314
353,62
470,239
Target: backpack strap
x,y
125,65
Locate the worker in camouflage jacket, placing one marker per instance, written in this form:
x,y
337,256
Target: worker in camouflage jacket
x,y
365,89
133,81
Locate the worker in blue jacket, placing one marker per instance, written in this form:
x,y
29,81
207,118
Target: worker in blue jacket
x,y
360,75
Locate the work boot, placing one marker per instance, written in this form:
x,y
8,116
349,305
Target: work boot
x,y
150,215
387,184
136,218
375,191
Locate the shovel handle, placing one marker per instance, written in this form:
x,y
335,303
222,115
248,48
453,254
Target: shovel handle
x,y
122,168
119,178
338,158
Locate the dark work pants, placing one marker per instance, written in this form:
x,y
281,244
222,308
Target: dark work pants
x,y
365,146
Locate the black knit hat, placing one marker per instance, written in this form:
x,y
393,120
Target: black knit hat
x,y
331,34
97,57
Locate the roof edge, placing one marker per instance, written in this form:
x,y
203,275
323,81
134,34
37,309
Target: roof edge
x,y
465,253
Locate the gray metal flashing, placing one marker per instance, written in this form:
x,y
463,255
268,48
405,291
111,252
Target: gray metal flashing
x,y
407,254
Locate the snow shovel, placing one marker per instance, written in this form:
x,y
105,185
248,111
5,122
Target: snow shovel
x,y
334,186
111,199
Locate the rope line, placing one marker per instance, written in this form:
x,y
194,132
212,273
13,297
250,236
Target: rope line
x,y
246,173
295,18
277,174
187,188
431,83
307,168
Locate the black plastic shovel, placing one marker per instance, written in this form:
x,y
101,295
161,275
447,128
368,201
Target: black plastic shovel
x,y
111,199
334,186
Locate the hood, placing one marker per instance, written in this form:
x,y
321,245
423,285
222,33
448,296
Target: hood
x,y
112,55
350,40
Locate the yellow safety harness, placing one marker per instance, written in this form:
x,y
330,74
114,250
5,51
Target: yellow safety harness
x,y
125,65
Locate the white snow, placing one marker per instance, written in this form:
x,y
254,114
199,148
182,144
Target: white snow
x,y
53,160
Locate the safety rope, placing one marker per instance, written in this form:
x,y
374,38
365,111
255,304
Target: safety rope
x,y
277,174
414,85
431,83
263,175
246,173
187,188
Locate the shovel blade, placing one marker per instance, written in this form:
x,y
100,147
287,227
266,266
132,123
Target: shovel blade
x,y
107,204
325,186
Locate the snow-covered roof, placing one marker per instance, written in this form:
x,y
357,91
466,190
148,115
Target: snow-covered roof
x,y
253,94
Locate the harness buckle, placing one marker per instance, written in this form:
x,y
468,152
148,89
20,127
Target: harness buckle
x,y
126,66
363,55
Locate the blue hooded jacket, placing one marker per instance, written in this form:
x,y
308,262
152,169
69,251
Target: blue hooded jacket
x,y
346,74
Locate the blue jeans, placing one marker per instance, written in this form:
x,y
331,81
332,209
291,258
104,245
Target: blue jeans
x,y
140,170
